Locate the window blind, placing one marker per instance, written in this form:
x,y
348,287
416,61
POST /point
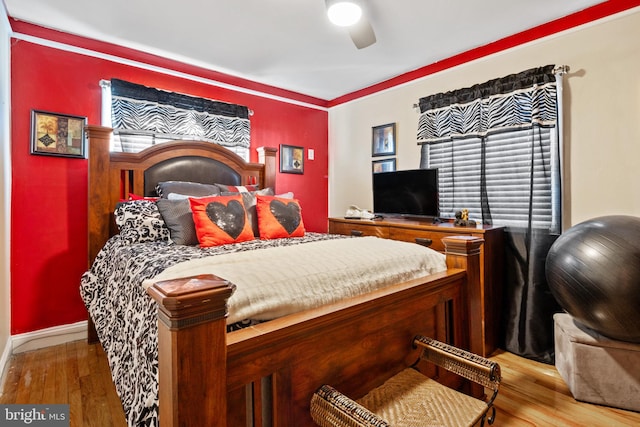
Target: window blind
x,y
510,158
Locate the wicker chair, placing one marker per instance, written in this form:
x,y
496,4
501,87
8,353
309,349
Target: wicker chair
x,y
410,399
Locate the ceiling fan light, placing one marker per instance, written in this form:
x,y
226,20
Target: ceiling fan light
x,y
344,13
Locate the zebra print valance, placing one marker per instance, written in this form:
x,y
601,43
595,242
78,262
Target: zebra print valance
x,y
141,110
514,102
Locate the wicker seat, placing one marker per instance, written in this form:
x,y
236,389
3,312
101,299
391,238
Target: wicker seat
x,y
410,399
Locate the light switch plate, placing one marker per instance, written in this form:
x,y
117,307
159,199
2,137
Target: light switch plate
x,y
310,154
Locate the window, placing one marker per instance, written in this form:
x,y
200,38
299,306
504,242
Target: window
x,y
141,117
497,149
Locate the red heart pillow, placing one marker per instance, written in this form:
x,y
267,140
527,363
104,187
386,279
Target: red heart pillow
x,y
279,217
220,220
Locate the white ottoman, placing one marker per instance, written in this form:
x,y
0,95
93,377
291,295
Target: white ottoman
x,y
597,369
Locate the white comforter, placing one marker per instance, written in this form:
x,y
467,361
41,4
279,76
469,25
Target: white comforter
x,y
274,282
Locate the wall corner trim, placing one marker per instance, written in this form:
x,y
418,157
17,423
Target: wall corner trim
x,y
5,356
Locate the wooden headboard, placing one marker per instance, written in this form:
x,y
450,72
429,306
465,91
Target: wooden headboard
x,y
115,175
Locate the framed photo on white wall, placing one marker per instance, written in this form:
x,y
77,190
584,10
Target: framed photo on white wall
x,y
386,165
383,140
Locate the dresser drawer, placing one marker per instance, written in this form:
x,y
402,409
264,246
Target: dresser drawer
x,y
351,229
419,236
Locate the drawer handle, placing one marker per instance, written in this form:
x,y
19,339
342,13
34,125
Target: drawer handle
x,y
356,233
423,241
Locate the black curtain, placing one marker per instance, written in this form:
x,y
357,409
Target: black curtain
x,y
528,303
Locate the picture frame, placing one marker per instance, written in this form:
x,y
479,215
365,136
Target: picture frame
x,y
55,134
291,159
383,140
386,165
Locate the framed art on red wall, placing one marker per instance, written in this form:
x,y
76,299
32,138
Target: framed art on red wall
x,y
291,159
54,134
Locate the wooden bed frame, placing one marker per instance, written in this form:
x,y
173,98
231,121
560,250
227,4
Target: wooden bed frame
x,y
265,375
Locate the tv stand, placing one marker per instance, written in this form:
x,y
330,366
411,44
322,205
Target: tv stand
x,y
429,233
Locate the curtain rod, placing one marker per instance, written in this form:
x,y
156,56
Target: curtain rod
x,y
560,69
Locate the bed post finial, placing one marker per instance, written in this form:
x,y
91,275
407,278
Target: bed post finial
x,y
192,350
99,204
267,156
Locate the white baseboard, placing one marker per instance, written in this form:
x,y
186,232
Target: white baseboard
x,y
39,339
4,363
49,337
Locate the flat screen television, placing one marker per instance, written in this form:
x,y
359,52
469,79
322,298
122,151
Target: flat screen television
x,y
406,193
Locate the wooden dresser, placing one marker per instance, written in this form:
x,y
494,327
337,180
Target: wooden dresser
x,y
430,234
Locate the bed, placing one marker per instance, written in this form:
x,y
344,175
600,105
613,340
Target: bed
x,y
187,361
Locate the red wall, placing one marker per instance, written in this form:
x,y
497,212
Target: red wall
x,y
49,200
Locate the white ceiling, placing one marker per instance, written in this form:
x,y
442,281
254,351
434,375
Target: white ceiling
x,y
291,44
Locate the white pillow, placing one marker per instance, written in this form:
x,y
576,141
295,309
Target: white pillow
x,y
177,196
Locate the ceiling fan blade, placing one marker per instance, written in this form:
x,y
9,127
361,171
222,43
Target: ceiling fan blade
x,y
362,33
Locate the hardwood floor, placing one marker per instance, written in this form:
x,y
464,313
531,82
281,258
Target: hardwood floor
x,y
75,373
531,394
534,394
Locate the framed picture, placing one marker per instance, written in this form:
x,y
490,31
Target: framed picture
x,y
54,134
386,165
291,159
383,142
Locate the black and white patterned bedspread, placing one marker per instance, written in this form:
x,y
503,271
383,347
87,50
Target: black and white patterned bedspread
x,y
125,316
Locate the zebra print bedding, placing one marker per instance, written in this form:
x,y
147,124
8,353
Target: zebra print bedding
x,y
125,317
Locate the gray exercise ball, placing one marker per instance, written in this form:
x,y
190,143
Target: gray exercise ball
x,y
593,271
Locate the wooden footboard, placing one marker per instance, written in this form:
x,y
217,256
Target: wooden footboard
x,y
266,374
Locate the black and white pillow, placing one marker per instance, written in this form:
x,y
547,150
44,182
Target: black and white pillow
x,y
139,221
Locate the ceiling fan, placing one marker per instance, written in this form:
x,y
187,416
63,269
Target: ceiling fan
x,y
350,14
